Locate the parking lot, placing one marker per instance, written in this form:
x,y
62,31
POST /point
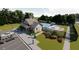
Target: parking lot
x,y
14,44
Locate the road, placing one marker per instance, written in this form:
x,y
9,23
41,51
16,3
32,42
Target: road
x,y
67,40
15,44
29,40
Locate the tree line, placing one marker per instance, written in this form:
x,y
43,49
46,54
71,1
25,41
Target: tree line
x,y
9,17
59,19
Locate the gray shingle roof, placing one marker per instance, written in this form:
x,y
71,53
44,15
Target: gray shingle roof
x,y
30,21
34,25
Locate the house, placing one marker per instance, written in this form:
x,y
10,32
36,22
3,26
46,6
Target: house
x,y
32,24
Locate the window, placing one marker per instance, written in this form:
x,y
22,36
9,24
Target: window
x,y
36,28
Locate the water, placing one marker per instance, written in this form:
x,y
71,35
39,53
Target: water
x,y
45,24
49,26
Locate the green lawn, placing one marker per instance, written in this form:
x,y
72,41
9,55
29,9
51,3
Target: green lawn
x,y
75,45
77,28
63,26
48,44
9,26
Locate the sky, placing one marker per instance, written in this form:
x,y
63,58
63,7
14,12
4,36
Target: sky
x,y
36,11
48,11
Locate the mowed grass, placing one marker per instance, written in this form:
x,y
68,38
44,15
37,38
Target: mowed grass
x,y
64,26
9,26
75,45
77,28
50,44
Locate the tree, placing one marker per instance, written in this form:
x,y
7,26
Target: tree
x,y
5,14
50,19
28,15
64,19
57,19
19,15
71,19
9,17
77,17
42,18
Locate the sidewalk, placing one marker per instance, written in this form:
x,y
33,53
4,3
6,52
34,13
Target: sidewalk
x,y
67,40
39,33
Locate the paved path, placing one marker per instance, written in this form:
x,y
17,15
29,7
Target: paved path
x,y
29,40
39,33
67,40
77,22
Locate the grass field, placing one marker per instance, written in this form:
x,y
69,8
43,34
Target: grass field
x,y
77,28
9,26
75,45
50,44
63,26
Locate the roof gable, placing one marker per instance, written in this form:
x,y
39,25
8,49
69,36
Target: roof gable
x,y
31,21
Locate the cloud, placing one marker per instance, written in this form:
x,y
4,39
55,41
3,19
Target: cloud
x,y
47,11
62,11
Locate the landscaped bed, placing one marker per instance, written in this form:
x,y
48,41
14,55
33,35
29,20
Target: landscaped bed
x,y
75,44
9,26
50,44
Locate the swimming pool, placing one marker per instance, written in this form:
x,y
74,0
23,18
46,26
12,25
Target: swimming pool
x,y
48,26
45,24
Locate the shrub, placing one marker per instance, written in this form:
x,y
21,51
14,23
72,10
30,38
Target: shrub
x,y
59,39
61,34
73,33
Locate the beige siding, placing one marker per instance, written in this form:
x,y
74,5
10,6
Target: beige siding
x,y
38,28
